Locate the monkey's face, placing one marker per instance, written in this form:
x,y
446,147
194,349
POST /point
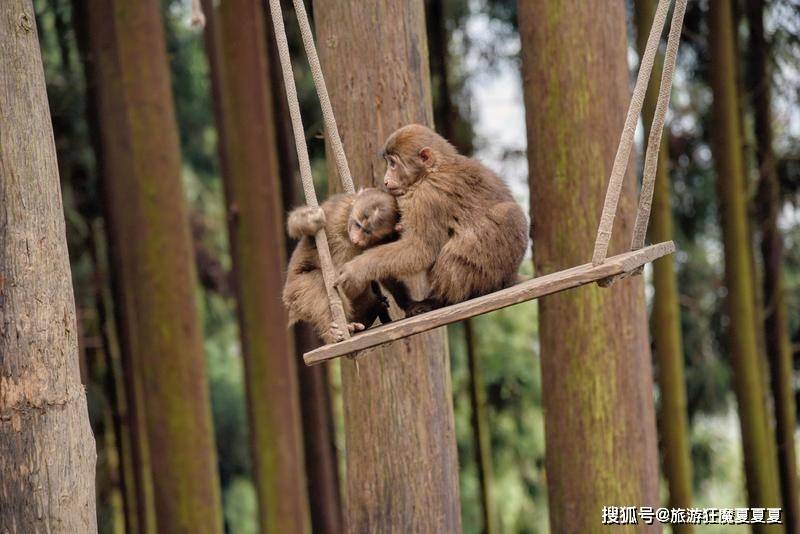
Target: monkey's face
x,y
395,178
405,170
373,219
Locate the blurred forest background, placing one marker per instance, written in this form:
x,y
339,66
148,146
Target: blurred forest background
x,y
474,48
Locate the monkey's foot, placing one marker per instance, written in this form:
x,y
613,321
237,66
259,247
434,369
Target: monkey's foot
x,y
335,334
416,308
355,327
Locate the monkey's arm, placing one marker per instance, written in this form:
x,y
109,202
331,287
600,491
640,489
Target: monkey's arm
x,y
409,255
305,221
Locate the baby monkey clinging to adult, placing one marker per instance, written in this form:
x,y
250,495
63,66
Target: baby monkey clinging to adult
x,y
353,222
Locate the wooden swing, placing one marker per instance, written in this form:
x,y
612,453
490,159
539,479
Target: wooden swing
x,y
601,269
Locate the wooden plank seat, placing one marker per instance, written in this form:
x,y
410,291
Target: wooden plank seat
x,y
535,288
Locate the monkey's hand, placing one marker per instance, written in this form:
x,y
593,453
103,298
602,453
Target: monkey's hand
x,y
305,221
351,279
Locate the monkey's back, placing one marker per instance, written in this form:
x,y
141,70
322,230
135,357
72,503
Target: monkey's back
x,y
487,231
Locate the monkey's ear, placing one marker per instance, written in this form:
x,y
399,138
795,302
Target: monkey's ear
x,y
426,156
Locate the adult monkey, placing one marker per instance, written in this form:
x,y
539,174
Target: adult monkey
x,y
460,224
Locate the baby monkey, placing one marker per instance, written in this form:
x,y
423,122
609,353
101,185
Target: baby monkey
x,y
353,222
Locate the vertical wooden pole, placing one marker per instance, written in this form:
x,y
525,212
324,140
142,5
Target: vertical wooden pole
x,y
148,218
402,469
596,371
757,438
47,452
249,155
778,341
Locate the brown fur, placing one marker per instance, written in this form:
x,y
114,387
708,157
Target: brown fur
x,y
460,223
352,222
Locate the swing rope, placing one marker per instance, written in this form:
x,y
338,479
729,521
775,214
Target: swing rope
x,y
328,117
326,263
614,190
657,127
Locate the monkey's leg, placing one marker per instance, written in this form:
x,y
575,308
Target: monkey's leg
x,y
383,310
307,300
398,291
367,307
453,277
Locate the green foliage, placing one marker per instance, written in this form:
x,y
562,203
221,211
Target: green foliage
x,y
191,88
241,507
506,345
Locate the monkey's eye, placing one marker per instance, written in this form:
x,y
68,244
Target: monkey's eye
x,y
392,163
362,227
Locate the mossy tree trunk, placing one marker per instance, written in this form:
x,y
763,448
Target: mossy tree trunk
x,y
776,327
47,452
322,465
96,51
666,314
115,381
757,438
596,370
402,468
255,225
148,222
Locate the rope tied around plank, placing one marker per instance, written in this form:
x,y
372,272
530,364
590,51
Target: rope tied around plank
x,y
622,157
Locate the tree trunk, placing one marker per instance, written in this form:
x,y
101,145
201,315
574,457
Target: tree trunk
x,y
402,468
760,465
47,452
480,431
149,228
255,224
97,366
141,508
438,38
322,466
596,369
776,328
115,382
446,119
666,315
